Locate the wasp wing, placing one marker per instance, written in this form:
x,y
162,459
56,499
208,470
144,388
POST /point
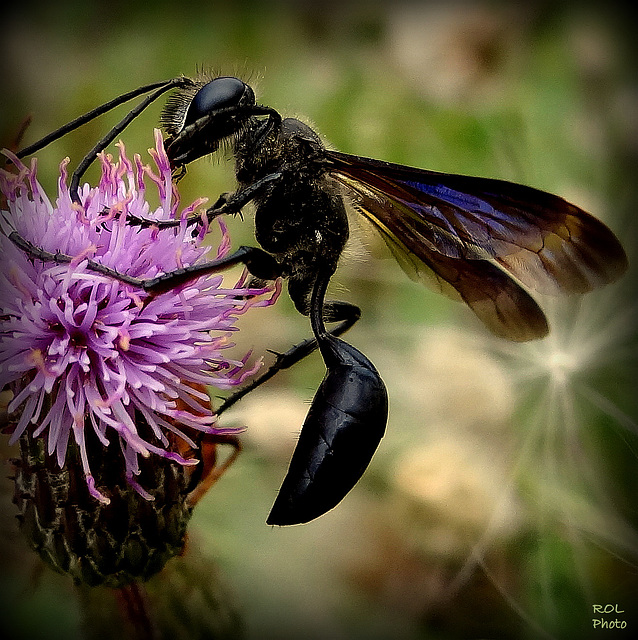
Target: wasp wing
x,y
475,237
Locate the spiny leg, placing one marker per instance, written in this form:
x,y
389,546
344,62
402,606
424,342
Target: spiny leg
x,y
307,295
349,314
227,203
252,257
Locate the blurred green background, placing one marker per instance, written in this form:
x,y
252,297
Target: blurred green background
x,y
502,502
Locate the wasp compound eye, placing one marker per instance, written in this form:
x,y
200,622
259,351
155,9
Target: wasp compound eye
x,y
219,93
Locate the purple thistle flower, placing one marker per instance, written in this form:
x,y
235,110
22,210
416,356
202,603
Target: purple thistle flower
x,y
84,351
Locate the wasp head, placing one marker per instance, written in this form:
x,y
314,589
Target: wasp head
x,y
199,117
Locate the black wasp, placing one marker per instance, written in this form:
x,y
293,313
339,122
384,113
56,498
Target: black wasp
x,y
482,241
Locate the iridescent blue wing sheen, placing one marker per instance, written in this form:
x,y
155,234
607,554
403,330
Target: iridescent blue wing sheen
x,y
479,239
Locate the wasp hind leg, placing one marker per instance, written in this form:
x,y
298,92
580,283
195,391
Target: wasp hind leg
x,y
344,313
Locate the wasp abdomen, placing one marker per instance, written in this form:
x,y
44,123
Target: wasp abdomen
x,y
341,432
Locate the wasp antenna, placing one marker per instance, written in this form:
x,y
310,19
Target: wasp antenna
x,y
98,111
117,129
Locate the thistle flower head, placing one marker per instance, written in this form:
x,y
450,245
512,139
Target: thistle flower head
x,y
83,351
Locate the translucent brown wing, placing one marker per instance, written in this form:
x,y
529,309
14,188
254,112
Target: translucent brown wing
x,y
478,238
